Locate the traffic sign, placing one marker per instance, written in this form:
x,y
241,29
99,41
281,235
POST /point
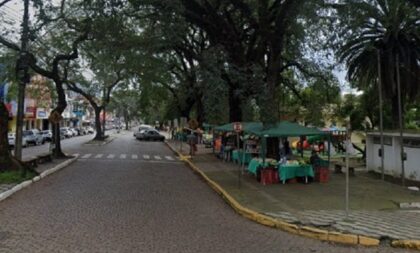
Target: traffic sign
x,y
237,127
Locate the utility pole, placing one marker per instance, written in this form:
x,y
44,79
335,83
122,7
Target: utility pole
x,y
23,76
400,117
348,143
381,122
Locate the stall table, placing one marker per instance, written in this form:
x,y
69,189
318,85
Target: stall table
x,y
257,162
289,171
240,157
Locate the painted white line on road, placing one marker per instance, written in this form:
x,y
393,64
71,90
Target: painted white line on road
x,y
169,158
86,156
158,157
134,157
123,156
99,155
111,156
147,157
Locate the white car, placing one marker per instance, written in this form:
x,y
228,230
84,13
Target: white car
x,y
66,132
12,140
33,136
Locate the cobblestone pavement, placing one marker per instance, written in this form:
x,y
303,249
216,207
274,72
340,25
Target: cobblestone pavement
x,y
378,224
130,205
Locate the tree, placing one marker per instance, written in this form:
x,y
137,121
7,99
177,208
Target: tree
x,y
106,81
64,30
390,29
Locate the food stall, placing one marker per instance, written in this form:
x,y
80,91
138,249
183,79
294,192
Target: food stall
x,y
290,168
240,150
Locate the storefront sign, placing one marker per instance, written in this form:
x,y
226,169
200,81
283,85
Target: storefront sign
x,y
30,112
41,113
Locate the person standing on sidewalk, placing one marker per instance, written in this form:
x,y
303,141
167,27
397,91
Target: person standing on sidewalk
x,y
192,141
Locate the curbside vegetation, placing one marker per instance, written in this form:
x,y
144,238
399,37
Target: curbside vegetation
x,y
24,184
310,232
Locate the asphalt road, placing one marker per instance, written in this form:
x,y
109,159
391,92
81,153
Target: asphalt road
x,y
132,196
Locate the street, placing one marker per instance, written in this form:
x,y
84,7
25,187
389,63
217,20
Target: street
x,y
132,196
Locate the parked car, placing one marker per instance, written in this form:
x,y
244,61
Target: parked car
x,y
33,136
150,135
74,131
141,128
66,132
12,140
81,131
90,130
46,135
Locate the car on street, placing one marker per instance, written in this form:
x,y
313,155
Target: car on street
x,y
150,135
46,135
74,131
90,130
141,128
66,132
81,130
12,140
33,136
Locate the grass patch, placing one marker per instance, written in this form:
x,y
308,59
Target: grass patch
x,y
15,176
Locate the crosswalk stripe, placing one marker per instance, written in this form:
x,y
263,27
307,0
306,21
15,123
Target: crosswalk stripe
x,y
169,158
158,157
99,155
147,157
111,156
123,156
86,156
134,157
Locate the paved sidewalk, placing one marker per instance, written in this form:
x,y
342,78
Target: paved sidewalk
x,y
374,204
41,168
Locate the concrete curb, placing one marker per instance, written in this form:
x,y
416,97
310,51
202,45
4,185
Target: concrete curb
x,y
309,232
408,244
24,184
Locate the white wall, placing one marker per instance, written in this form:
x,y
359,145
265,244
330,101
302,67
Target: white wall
x,y
392,159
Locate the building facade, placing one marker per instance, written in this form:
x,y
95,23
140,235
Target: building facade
x,y
392,158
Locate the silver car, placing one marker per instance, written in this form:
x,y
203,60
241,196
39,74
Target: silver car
x,y
33,136
12,140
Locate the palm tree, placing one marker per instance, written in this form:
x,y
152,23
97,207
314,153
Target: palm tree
x,y
390,27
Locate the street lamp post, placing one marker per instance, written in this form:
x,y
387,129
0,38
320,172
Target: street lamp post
x,y
23,75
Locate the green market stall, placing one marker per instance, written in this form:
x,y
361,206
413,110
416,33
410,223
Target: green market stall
x,y
235,152
287,170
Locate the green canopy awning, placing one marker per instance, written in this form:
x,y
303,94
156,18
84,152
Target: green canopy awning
x,y
285,129
246,127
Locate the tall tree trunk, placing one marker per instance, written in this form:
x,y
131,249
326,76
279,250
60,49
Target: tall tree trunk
x,y
201,117
395,112
98,126
6,162
126,119
235,108
61,106
269,110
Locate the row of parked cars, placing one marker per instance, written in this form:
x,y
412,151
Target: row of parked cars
x,y
148,133
36,137
68,132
